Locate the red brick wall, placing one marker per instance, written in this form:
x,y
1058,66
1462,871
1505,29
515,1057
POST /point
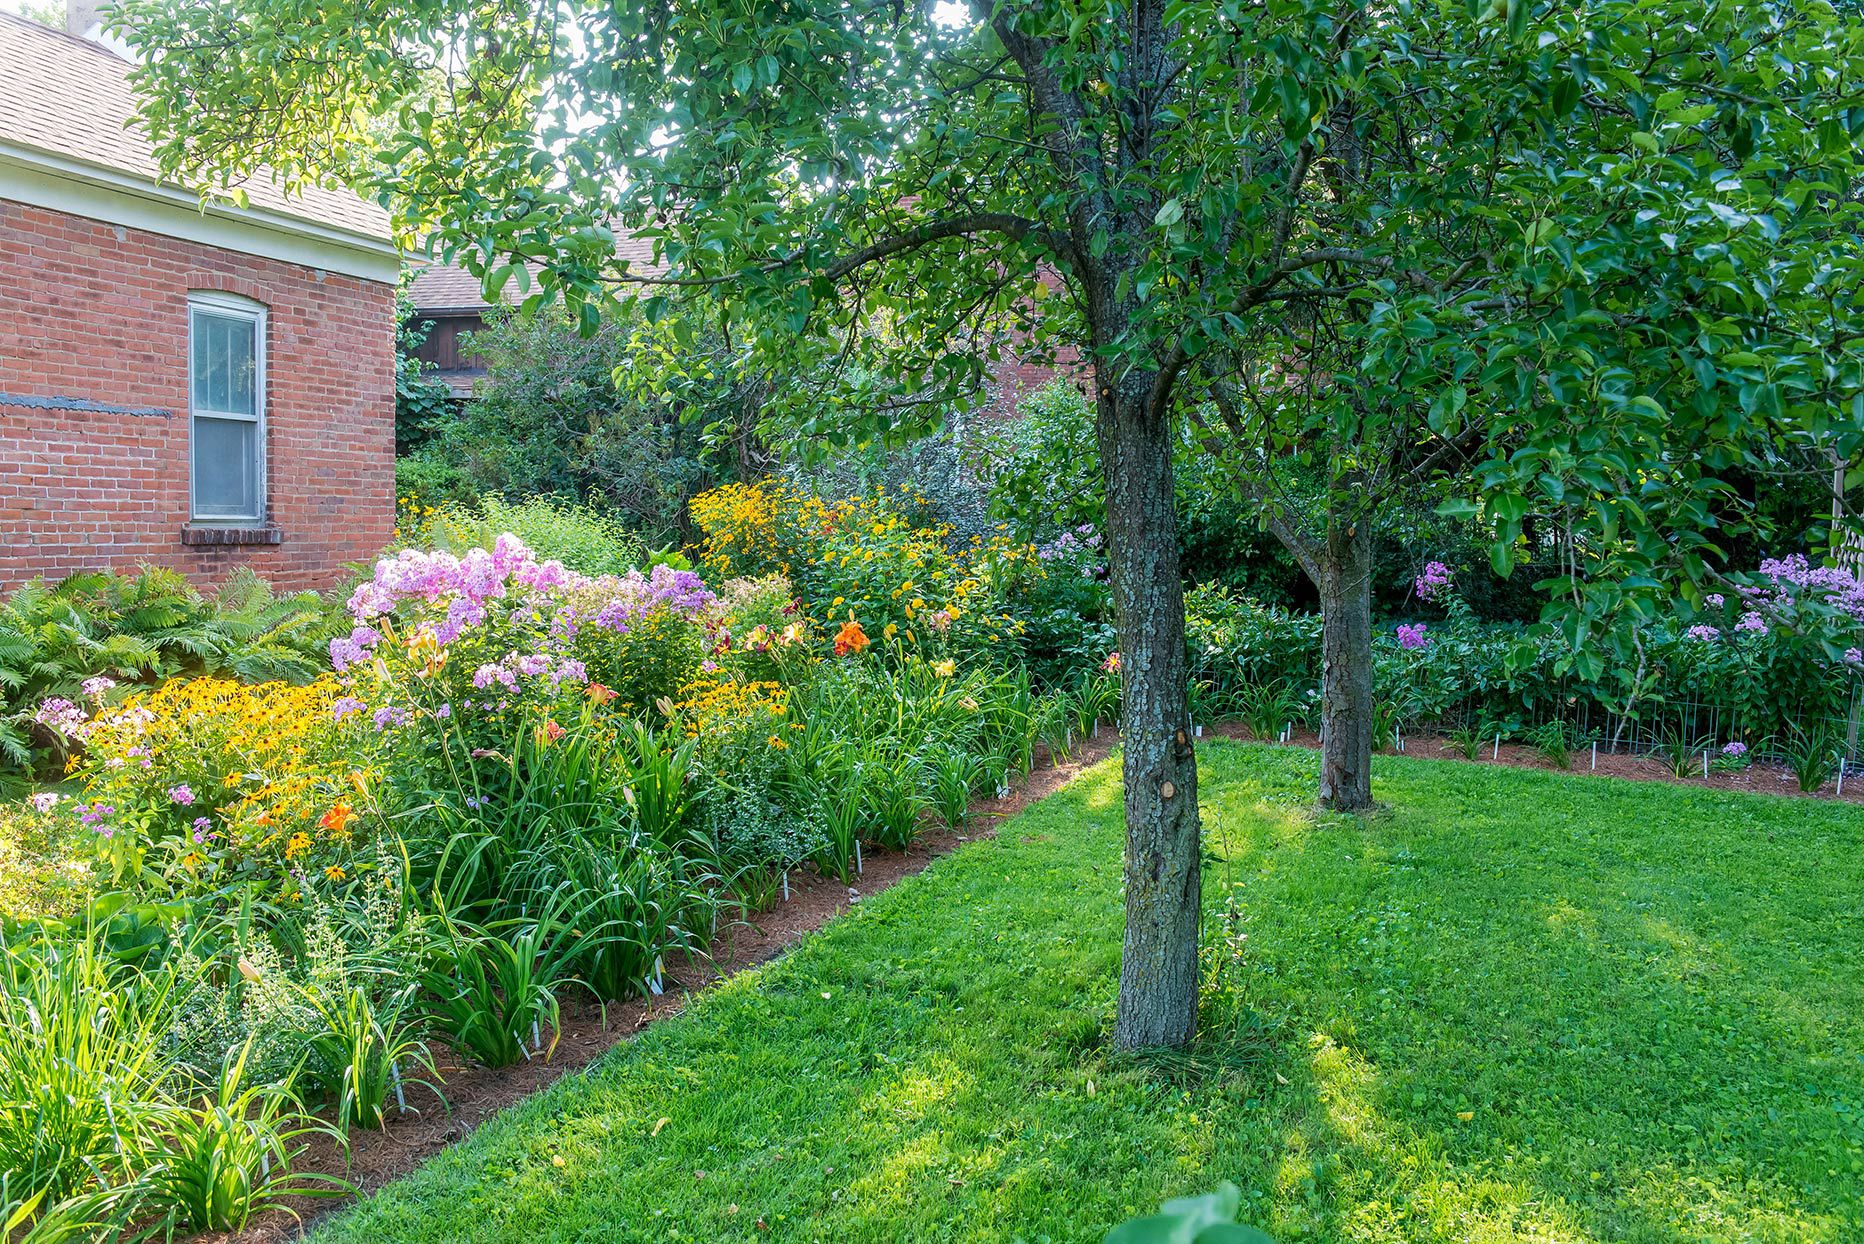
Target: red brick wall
x,y
100,313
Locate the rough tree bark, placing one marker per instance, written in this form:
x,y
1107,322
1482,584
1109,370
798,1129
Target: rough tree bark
x,y
1158,970
1344,578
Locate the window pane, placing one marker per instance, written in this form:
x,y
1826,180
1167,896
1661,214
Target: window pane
x,y
225,363
226,468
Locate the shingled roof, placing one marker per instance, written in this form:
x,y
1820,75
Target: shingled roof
x,y
441,289
70,99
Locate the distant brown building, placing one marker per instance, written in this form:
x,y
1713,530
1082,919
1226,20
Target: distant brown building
x,y
450,302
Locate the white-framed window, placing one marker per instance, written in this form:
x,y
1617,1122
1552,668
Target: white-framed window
x,y
226,408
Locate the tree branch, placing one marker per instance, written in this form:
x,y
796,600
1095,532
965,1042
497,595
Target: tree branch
x,y
1017,228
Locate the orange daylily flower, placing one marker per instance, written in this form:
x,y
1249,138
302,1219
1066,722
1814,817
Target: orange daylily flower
x,y
338,818
850,638
599,694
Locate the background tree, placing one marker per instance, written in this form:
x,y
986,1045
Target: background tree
x,y
868,188
631,415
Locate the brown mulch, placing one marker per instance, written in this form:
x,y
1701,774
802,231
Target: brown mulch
x,y
1758,778
473,1093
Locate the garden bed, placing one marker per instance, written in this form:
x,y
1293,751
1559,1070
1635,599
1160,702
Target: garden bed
x,y
474,1094
1759,778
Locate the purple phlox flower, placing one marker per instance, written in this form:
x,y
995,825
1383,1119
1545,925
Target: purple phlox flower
x,y
1795,577
388,715
182,794
634,596
531,664
463,614
1433,582
63,717
568,671
488,674
1714,600
201,826
1735,749
1854,656
1413,635
98,686
1703,634
509,552
354,648
46,800
443,712
1752,621
95,814
344,707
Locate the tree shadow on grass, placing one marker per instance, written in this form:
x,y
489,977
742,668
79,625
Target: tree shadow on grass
x,y
1567,1001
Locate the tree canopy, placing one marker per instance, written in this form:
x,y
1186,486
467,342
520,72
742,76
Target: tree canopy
x,y
1620,232
1595,253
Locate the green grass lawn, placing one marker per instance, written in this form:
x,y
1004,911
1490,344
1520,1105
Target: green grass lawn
x,y
1514,1006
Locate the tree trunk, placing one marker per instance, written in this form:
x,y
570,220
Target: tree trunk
x,y
1345,583
1158,971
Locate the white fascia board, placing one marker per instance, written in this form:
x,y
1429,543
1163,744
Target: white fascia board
x,y
42,180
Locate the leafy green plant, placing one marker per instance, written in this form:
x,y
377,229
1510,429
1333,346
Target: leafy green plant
x,y
215,1165
1388,716
593,540
361,1049
1554,741
1055,716
954,773
488,992
1812,755
101,1214
1465,741
654,769
893,800
626,903
1267,708
1096,699
843,806
1681,752
83,1067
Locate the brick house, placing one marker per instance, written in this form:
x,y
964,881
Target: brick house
x,y
195,388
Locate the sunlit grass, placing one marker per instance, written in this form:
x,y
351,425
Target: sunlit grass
x,y
1507,1007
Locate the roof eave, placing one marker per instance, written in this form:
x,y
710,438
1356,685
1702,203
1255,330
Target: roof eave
x,y
374,255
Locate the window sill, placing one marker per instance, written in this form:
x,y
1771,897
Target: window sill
x,y
205,535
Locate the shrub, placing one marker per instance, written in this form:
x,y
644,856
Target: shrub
x,y
594,541
550,419
864,560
